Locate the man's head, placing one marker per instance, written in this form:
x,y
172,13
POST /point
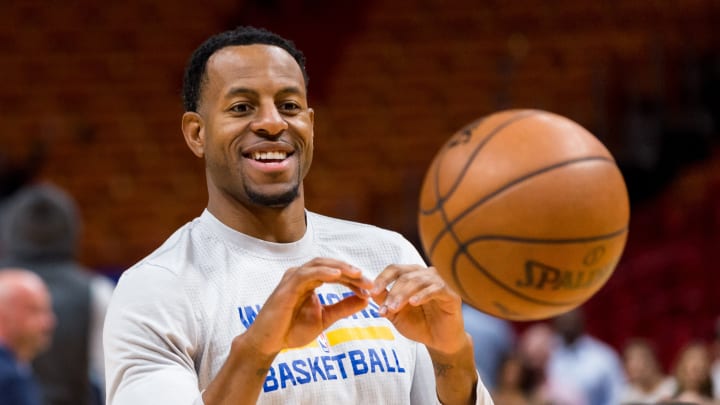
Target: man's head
x,y
248,117
195,71
570,325
536,345
641,363
26,317
40,222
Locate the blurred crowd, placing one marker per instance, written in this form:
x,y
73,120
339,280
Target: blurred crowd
x,y
52,307
558,362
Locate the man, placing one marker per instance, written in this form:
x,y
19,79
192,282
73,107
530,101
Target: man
x,y
583,362
26,326
261,301
535,347
646,382
41,232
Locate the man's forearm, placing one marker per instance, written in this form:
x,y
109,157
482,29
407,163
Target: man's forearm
x,y
241,377
455,375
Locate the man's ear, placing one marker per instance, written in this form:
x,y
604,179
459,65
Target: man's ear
x,y
311,114
194,132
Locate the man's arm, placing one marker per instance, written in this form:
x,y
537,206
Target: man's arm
x,y
455,375
423,308
150,340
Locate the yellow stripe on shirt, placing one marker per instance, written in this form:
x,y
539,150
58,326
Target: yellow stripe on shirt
x,y
342,335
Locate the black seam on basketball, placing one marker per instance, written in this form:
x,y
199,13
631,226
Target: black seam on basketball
x,y
439,200
542,170
549,241
462,250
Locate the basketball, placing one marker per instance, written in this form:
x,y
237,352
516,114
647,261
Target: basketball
x,y
524,213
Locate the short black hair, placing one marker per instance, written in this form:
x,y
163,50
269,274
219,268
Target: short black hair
x,y
244,35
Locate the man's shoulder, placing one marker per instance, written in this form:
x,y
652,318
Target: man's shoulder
x,y
336,236
333,225
171,255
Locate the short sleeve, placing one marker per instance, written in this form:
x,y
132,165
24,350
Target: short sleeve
x,y
150,341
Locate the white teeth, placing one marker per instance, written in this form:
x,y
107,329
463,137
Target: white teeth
x,y
276,155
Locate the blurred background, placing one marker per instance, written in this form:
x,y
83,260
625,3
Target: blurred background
x,y
90,101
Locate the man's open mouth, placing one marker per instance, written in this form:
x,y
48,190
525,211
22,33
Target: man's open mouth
x,y
268,157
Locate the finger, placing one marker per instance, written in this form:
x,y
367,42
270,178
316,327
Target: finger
x,y
413,284
431,292
380,297
349,274
342,309
309,277
360,292
385,278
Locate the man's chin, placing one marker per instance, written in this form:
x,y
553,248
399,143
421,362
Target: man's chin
x,y
274,200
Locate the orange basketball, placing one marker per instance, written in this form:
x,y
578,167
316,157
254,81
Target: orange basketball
x,y
524,213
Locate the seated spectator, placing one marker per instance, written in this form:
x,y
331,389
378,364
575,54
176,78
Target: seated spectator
x,y
692,374
508,388
535,346
26,326
584,362
646,383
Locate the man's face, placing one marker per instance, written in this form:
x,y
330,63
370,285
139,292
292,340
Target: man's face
x,y
34,322
639,363
257,129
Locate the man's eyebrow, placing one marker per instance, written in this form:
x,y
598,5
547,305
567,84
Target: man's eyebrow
x,y
290,90
240,91
244,91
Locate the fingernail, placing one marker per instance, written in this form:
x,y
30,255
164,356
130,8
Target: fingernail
x,y
382,310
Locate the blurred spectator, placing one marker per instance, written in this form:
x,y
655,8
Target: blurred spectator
x,y
692,373
646,382
535,347
40,232
26,326
582,361
493,339
508,388
715,347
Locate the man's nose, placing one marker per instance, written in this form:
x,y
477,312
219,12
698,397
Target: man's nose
x,y
269,121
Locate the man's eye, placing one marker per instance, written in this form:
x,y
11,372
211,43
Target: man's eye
x,y
289,107
240,108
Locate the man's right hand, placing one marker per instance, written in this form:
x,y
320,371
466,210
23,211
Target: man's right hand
x,y
293,316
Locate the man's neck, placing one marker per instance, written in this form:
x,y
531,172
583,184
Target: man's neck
x,y
279,225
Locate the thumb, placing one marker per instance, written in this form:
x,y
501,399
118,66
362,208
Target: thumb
x,y
346,307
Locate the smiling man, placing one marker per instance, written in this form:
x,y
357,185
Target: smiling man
x,y
259,300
